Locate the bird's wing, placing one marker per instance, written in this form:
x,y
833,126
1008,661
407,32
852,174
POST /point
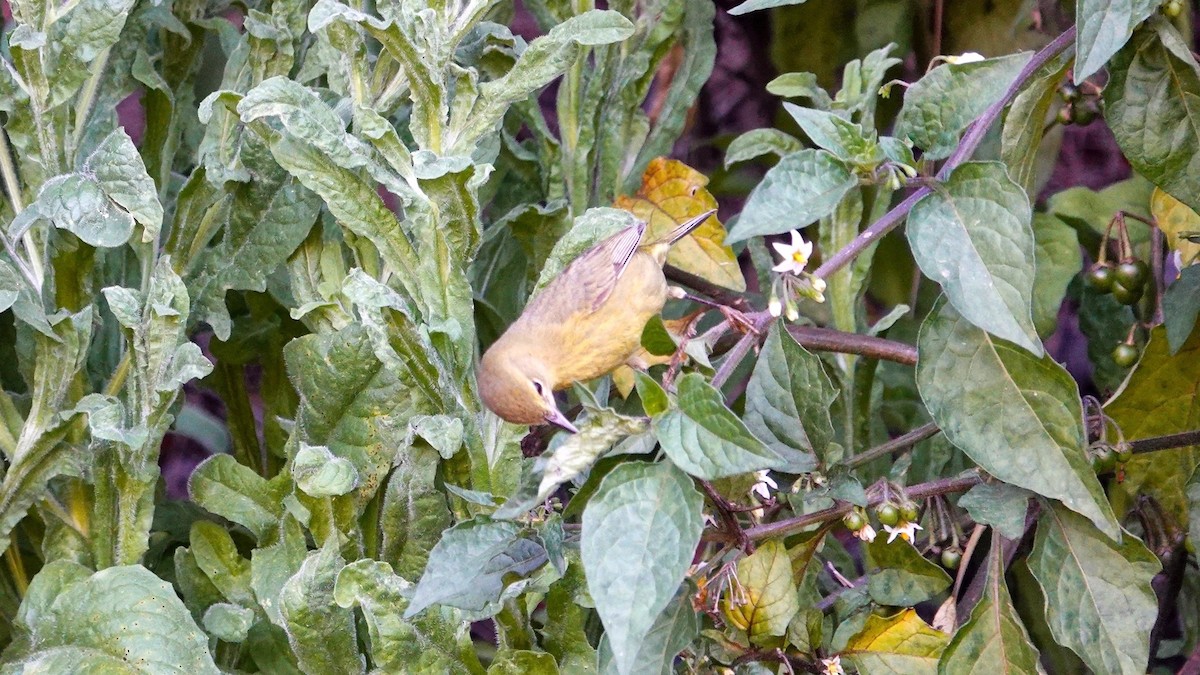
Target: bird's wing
x,y
589,280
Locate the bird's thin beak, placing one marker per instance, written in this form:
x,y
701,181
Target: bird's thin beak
x,y
559,420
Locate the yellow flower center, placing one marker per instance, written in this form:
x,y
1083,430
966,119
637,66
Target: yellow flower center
x,y
799,258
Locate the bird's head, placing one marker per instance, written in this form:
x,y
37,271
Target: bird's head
x,y
519,387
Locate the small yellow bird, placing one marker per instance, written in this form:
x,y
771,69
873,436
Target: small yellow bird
x,y
582,325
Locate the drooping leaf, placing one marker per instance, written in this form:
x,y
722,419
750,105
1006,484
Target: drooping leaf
x,y
640,531
999,505
1018,417
1097,591
233,491
973,236
672,192
1025,136
787,401
902,643
1102,29
467,567
993,640
1153,110
802,188
705,438
939,106
414,512
758,143
118,169
900,576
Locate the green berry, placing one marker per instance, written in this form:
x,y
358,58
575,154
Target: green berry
x,y
909,512
1104,459
854,521
1100,277
888,514
951,557
1126,295
1125,355
1172,8
1124,453
1084,112
1132,274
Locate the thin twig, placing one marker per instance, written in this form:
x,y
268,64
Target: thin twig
x,y
899,443
1168,442
704,287
830,340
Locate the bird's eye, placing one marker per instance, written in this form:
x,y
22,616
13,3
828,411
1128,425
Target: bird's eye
x,y
537,386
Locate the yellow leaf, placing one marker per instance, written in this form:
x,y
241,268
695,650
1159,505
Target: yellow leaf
x,y
763,598
902,643
672,192
1175,219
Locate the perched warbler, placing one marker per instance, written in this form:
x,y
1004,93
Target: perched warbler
x,y
583,324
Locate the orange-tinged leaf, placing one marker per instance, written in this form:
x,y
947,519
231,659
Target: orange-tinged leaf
x,y
1175,219
901,643
671,192
763,600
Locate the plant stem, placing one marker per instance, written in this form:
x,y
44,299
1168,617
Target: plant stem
x,y
899,443
1168,442
829,340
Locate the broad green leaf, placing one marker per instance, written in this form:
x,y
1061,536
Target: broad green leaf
x,y
228,622
468,566
902,643
705,438
78,38
1153,108
800,85
640,531
758,143
216,554
1017,417
118,169
999,505
523,662
973,236
434,643
900,576
763,600
125,613
1161,397
802,188
654,398
1105,323
845,139
1102,27
1181,306
306,117
993,640
674,629
233,491
76,203
350,403
1057,260
940,105
787,401
269,219
320,474
1097,592
69,660
272,566
414,512
322,634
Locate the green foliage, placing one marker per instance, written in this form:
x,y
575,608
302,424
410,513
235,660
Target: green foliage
x,y
331,212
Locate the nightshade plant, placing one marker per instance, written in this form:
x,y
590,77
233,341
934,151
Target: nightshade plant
x,y
344,204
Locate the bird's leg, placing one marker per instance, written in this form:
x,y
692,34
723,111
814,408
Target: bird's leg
x,y
733,317
680,354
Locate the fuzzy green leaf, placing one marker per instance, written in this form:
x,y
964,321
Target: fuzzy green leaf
x,y
973,236
322,634
1097,591
640,531
802,188
1018,417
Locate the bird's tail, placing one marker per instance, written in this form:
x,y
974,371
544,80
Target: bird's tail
x,y
687,226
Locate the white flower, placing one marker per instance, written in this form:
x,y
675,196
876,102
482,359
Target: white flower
x,y
904,530
867,533
795,255
967,57
833,666
763,484
775,307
